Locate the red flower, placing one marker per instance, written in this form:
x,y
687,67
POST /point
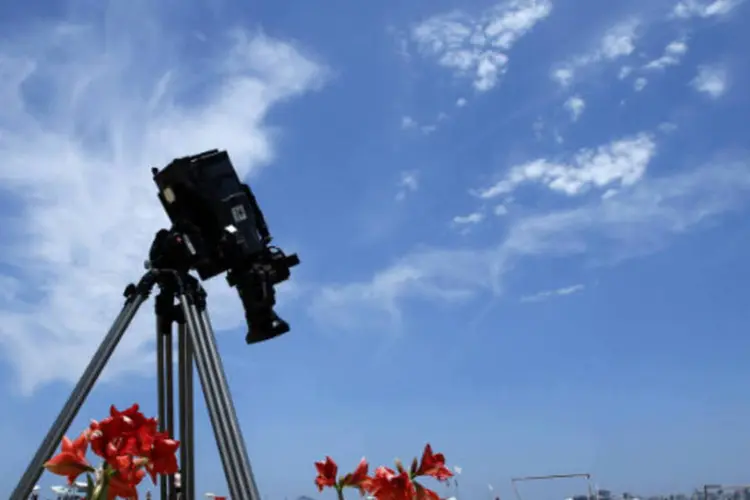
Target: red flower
x,y
425,493
433,465
386,484
358,478
161,457
130,433
130,445
120,488
145,436
128,475
327,470
71,461
123,432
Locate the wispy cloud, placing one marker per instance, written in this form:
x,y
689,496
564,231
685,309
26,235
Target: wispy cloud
x,y
443,275
549,294
407,122
575,106
81,123
500,210
408,183
704,8
623,161
478,47
633,223
472,218
673,54
617,42
711,80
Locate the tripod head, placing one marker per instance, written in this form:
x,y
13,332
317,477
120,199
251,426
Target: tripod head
x,y
218,226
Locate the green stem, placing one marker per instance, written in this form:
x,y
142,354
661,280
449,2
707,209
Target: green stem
x,y
340,492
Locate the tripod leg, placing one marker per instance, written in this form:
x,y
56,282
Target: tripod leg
x,y
169,375
187,436
164,306
223,418
209,392
235,432
161,392
77,396
190,415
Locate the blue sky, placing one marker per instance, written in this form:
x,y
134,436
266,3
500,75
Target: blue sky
x,y
522,226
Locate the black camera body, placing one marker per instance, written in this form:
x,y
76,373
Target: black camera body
x,y
217,226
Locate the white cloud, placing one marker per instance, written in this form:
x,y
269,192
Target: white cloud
x,y
639,84
623,161
76,155
408,183
704,8
667,127
477,47
673,54
563,76
617,42
460,102
407,122
711,80
548,294
634,223
624,72
470,219
428,129
500,210
575,106
424,274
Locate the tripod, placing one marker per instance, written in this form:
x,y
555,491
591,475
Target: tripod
x,y
181,301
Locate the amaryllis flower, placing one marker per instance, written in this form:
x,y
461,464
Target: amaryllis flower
x,y
71,461
128,474
111,437
387,484
125,488
132,415
433,465
358,478
162,458
130,445
327,471
425,493
130,433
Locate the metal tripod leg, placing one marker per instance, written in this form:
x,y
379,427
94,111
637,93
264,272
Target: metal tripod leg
x,y
187,434
218,401
164,308
161,385
52,440
229,409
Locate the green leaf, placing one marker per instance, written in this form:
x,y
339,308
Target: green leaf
x,y
89,486
104,491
